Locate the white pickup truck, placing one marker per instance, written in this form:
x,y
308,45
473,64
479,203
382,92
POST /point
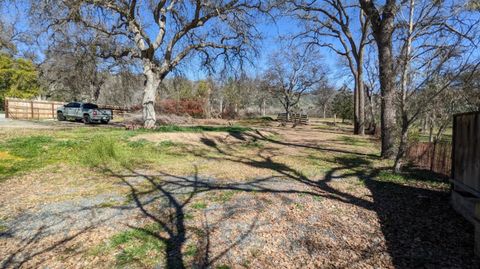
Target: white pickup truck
x,y
86,112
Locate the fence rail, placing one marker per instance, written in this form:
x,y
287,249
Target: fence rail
x,y
436,157
30,109
22,109
294,117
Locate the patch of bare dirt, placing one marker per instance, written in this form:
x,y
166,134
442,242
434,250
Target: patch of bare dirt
x,y
202,138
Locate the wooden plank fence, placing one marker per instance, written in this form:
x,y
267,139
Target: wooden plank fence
x,y
296,118
466,170
31,109
436,157
466,151
22,109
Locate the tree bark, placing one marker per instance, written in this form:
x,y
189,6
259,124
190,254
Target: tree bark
x,y
264,108
403,94
402,148
361,103
149,95
388,95
356,124
383,27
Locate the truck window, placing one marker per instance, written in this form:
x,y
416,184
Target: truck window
x,y
90,106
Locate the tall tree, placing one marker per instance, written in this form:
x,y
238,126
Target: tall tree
x,y
291,73
343,104
325,95
382,24
18,78
346,24
427,69
161,34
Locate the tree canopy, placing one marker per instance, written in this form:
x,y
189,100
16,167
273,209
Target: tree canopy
x,y
18,78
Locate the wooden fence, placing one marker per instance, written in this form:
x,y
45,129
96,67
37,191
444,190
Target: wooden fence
x,y
31,109
297,118
21,109
436,157
466,152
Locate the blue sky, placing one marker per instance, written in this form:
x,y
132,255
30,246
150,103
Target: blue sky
x,y
275,33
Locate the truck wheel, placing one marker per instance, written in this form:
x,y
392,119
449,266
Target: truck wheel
x,y
86,119
60,116
105,121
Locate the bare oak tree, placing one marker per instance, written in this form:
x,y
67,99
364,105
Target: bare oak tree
x,y
292,73
435,50
382,20
161,34
342,27
325,94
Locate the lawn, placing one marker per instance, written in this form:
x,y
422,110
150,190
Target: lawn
x,y
252,195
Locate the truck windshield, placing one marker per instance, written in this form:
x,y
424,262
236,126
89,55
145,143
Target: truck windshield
x,y
90,106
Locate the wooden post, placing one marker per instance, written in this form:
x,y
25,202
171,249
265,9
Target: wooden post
x,y
31,108
6,108
53,111
454,135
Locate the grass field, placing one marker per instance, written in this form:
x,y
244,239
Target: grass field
x,y
251,195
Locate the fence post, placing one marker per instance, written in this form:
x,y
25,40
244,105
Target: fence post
x,y
454,134
53,110
31,108
6,108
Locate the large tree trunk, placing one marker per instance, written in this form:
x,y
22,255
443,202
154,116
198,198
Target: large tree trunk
x,y
403,94
372,115
387,77
149,96
402,149
287,111
356,124
383,27
361,105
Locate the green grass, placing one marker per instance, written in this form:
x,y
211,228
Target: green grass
x,y
254,144
137,245
223,197
199,205
22,154
90,147
353,141
408,176
190,251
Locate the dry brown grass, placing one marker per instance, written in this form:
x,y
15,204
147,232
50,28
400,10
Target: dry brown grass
x,y
322,202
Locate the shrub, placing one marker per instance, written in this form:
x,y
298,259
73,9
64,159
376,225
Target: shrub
x,y
192,107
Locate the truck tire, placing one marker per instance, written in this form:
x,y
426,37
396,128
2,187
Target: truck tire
x,y
60,116
105,121
86,119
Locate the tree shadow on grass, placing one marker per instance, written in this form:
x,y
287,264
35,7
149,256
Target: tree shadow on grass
x,y
168,198
28,249
259,136
420,227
